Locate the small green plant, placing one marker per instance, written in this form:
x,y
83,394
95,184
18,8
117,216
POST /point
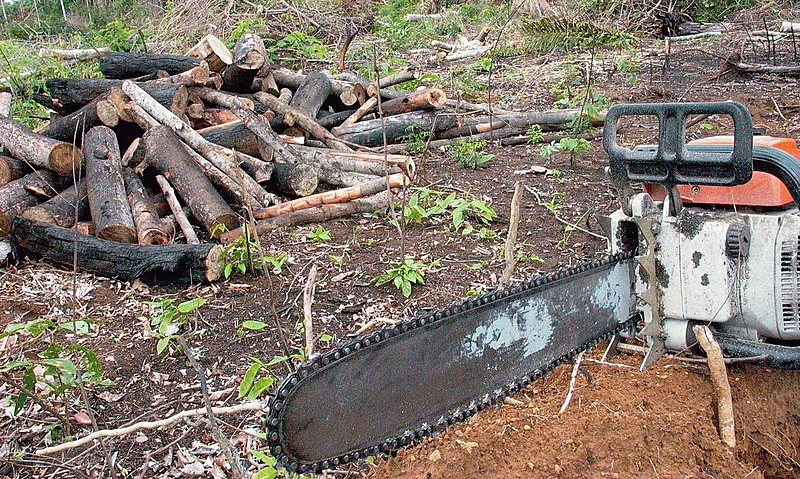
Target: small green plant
x,y
547,151
403,274
300,45
554,203
416,140
241,255
57,368
567,34
573,146
319,235
469,153
534,134
169,318
557,174
251,24
117,36
426,203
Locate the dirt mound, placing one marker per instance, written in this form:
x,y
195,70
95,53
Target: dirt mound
x,y
622,423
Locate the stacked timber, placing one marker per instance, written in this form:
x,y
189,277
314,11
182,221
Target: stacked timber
x,y
166,157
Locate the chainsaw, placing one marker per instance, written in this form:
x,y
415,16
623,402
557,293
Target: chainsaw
x,y
708,241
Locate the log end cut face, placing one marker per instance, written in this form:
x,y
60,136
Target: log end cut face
x,y
65,159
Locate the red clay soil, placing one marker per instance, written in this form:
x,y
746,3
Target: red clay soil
x,y
622,423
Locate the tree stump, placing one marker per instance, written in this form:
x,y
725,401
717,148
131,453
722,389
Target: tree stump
x,y
249,56
294,179
108,203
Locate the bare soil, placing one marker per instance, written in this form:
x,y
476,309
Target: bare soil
x,y
620,423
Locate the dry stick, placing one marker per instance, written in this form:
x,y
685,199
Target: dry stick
x,y
302,120
222,158
572,381
511,239
562,220
248,406
362,110
230,452
22,389
95,428
719,381
308,299
177,210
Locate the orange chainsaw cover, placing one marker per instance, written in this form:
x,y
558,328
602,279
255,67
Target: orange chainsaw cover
x,y
763,189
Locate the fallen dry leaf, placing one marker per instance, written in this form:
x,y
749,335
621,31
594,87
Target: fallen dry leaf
x,y
468,445
435,456
82,418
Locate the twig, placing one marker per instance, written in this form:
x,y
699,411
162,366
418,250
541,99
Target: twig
x,y
95,428
511,239
572,381
719,380
562,220
749,359
606,363
22,389
308,299
374,322
249,406
177,211
230,452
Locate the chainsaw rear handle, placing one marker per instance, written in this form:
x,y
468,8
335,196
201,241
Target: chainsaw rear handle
x,y
672,163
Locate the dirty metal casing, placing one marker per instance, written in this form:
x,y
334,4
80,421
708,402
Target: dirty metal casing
x,y
424,374
740,271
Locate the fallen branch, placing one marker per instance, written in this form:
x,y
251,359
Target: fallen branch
x,y
511,239
248,406
719,381
572,381
308,299
177,211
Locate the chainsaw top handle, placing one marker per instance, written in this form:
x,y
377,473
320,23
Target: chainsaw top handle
x,y
672,163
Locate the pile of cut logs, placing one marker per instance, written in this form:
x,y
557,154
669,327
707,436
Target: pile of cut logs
x,y
148,172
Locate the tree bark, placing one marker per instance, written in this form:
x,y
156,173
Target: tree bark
x,y
122,65
221,158
153,264
12,169
303,121
38,150
64,209
18,195
719,380
365,163
420,100
311,94
165,152
105,187
148,224
213,51
72,127
234,135
177,211
317,214
249,56
71,94
335,196
294,179
370,133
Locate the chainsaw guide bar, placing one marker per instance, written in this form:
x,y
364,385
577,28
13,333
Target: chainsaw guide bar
x,y
386,389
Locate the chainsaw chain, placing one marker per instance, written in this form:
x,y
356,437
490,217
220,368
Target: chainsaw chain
x,y
273,420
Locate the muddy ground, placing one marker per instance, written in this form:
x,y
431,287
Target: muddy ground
x,y
622,423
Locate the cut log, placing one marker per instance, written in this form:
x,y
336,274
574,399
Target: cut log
x,y
12,169
234,135
222,99
222,158
335,196
38,150
370,133
148,224
294,179
152,264
213,51
303,121
194,76
317,214
249,56
64,209
334,119
469,130
72,127
223,182
80,54
721,385
105,187
311,94
427,99
18,195
177,211
292,80
219,116
71,94
365,163
165,152
122,65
